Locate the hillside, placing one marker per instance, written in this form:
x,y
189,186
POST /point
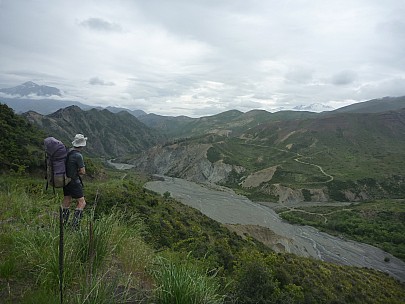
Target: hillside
x,y
375,105
343,157
109,135
20,142
138,234
229,123
235,122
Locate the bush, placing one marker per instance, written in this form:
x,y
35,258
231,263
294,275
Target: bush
x,y
255,281
213,155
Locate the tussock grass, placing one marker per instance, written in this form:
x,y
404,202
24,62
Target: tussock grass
x,y
100,259
184,283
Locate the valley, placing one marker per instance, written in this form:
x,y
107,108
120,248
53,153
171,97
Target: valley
x,y
231,189
224,206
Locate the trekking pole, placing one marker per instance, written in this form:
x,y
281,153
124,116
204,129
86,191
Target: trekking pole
x,y
91,238
61,254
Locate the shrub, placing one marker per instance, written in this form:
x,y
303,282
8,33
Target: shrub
x,y
213,155
255,281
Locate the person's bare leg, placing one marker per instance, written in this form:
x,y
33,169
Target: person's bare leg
x,y
67,200
81,203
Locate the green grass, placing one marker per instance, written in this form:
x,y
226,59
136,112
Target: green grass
x,y
183,282
30,260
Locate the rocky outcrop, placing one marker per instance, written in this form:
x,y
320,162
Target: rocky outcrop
x,y
185,161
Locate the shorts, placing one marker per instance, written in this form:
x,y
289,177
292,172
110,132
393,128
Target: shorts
x,y
73,189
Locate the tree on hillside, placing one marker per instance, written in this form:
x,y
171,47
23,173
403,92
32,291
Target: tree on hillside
x,y
20,142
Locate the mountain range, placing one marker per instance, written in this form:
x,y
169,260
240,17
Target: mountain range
x,y
19,99
109,135
234,121
348,154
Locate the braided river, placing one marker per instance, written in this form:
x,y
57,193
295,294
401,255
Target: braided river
x,y
223,205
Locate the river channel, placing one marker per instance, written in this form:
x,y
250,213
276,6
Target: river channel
x,y
224,206
119,166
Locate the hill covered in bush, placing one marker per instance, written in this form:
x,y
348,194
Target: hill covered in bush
x,y
20,142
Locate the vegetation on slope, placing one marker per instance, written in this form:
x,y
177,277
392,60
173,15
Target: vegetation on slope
x,y
358,153
229,122
378,223
19,142
141,238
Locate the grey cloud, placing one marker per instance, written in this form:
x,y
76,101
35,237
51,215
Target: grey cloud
x,y
344,78
264,54
299,74
101,25
388,87
98,81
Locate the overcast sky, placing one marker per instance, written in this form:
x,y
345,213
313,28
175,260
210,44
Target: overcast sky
x,y
202,57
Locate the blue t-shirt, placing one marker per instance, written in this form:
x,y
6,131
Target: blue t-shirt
x,y
74,162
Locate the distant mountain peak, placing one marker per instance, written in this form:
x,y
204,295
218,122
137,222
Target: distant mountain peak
x,y
314,107
31,88
30,84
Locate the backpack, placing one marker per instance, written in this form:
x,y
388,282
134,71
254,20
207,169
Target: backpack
x,y
56,154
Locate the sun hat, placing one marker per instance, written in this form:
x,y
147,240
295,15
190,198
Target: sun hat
x,y
79,141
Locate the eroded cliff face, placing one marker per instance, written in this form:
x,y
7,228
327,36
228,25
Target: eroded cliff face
x,y
288,195
189,162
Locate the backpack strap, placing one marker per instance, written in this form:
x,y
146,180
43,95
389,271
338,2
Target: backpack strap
x,y
46,170
73,151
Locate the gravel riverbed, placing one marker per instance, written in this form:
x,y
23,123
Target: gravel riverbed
x,y
224,206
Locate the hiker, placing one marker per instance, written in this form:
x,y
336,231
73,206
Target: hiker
x,y
74,189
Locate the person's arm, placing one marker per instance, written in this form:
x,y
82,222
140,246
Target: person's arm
x,y
80,164
82,171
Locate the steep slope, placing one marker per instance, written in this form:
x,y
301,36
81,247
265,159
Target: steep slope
x,y
186,160
109,134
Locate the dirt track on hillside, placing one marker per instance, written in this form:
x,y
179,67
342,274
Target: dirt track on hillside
x,y
226,207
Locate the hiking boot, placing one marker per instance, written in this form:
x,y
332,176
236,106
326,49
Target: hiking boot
x,y
65,215
76,218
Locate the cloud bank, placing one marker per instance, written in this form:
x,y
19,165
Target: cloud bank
x,y
203,57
